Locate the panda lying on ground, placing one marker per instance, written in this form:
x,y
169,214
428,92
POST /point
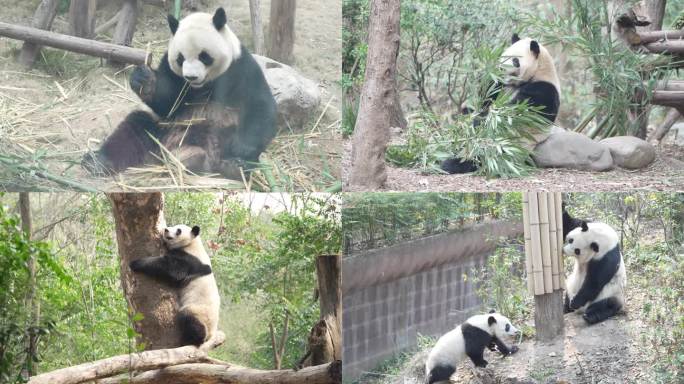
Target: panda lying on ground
x,y
186,266
530,76
210,96
468,339
597,282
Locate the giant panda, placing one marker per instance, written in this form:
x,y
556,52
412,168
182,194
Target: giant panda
x,y
186,266
468,339
212,106
597,282
531,76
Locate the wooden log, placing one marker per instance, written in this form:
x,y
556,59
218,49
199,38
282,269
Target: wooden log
x,y
670,119
257,27
42,19
329,273
670,46
330,373
669,85
646,37
548,315
111,366
82,18
668,98
74,44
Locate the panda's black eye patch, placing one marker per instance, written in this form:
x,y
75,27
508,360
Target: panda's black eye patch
x,y
571,240
508,327
180,59
516,62
206,58
577,251
178,232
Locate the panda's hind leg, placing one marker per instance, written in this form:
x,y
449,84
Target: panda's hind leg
x,y
193,331
601,310
126,147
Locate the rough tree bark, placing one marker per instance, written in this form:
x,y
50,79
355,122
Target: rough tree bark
x,y
281,32
670,119
82,18
655,10
377,97
257,27
31,302
138,218
125,26
42,19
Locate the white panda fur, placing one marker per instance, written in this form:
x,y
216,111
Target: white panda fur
x,y
191,273
468,339
597,283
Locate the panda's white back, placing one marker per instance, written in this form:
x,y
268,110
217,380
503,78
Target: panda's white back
x,y
449,349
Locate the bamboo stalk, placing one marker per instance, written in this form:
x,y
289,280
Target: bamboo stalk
x,y
544,234
528,243
537,264
553,237
559,235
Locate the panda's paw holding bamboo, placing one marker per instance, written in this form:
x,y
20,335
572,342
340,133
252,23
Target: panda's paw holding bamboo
x,y
143,81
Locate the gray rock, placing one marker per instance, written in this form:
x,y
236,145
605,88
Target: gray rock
x,y
630,152
297,97
566,149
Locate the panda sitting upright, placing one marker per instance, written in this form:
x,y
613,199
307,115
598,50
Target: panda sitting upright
x,y
213,107
468,339
186,266
597,282
530,76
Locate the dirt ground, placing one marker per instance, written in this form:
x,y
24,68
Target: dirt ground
x,y
68,103
607,353
666,173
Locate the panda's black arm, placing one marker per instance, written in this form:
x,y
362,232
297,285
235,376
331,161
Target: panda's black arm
x,y
176,268
503,348
156,267
159,88
599,273
257,129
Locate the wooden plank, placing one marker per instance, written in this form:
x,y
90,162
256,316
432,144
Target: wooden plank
x,y
537,264
544,234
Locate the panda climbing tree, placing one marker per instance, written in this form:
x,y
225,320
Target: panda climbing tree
x,y
167,323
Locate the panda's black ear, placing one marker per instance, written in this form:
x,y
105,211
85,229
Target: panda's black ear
x,y
195,231
584,226
173,24
219,19
491,320
594,247
492,311
515,38
534,47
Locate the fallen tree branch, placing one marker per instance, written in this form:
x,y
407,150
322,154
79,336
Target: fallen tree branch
x,y
143,361
330,373
75,44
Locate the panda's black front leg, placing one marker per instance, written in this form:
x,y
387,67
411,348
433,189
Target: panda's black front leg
x,y
160,89
257,129
155,267
503,348
566,305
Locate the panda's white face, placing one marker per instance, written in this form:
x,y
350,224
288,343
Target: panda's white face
x,y
502,327
519,62
179,236
202,47
589,241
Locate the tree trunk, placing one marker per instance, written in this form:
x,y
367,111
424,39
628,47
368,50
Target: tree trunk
x,y
257,28
139,218
670,119
397,118
377,97
548,315
125,26
655,10
281,31
42,19
82,18
31,303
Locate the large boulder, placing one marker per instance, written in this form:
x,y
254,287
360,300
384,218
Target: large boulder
x,y
566,149
297,97
630,152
